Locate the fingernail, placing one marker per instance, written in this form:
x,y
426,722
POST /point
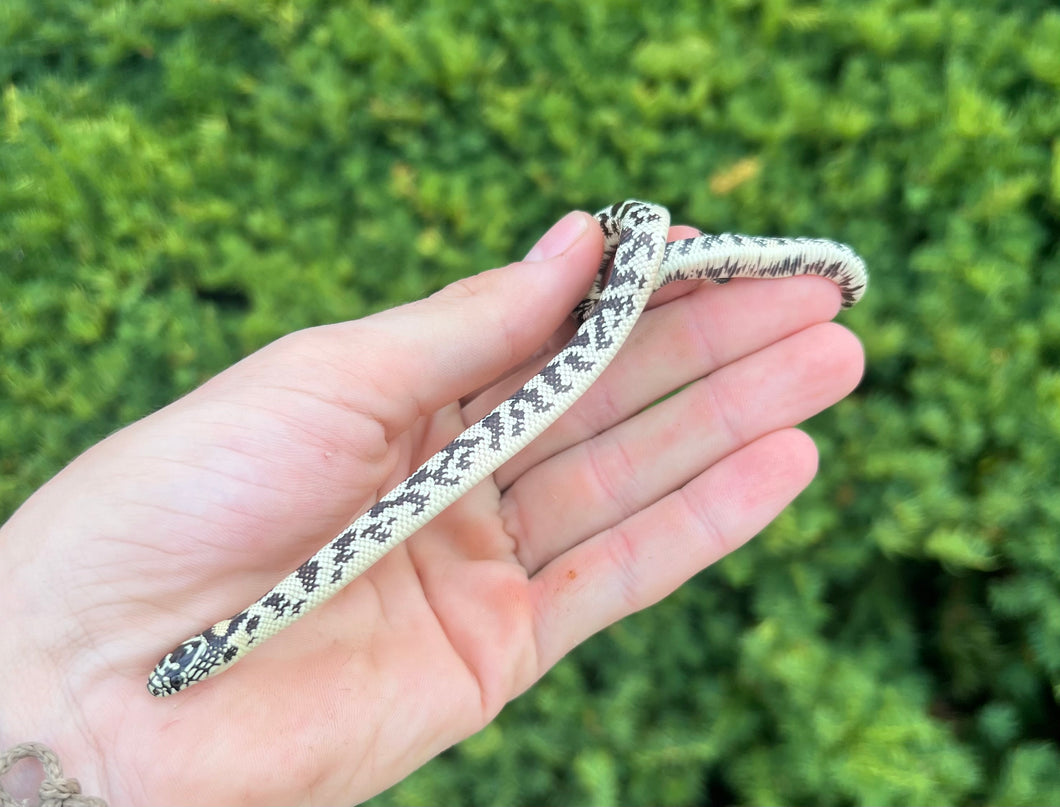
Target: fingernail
x,y
560,237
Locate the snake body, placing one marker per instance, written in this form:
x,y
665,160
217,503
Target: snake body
x,y
637,260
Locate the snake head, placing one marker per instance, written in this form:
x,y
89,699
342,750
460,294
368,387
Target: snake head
x,y
177,669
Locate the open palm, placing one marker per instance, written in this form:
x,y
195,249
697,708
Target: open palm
x,y
188,515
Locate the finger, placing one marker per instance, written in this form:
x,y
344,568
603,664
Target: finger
x,y
604,480
419,357
640,561
678,343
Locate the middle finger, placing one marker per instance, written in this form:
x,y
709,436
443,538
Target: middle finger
x,y
673,345
600,482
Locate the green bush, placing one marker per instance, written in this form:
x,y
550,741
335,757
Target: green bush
x,y
183,181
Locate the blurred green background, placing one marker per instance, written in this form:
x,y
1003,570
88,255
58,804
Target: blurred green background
x,y
182,181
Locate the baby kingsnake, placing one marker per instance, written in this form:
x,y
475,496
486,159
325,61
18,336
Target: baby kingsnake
x,y
637,261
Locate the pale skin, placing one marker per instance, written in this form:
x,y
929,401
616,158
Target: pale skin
x,y
186,516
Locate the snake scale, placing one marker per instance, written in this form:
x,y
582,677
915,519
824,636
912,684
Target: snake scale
x,y
637,260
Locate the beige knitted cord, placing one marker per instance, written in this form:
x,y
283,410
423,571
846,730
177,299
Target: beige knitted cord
x,y
54,791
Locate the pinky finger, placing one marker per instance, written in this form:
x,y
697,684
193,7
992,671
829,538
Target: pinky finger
x,y
638,562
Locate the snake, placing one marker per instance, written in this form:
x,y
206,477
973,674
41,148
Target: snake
x,y
637,260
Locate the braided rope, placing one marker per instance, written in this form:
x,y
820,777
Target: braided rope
x,y
55,790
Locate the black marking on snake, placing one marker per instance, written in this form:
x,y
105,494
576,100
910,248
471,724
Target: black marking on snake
x,y
518,422
492,424
611,309
234,624
578,363
527,398
377,530
184,650
281,604
644,241
553,378
457,455
683,247
307,574
578,343
342,547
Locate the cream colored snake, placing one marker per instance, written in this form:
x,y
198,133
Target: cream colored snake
x,y
637,260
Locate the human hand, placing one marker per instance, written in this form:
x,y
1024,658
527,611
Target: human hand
x,y
189,514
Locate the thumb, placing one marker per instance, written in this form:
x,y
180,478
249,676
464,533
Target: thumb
x,y
466,335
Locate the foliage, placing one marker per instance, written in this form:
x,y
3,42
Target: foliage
x,y
185,181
